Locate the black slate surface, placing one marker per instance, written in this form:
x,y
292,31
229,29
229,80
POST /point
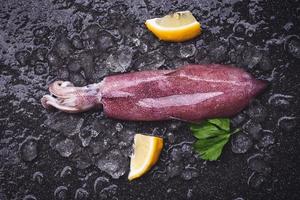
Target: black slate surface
x,y
52,155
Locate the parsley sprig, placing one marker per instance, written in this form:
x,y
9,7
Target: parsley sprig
x,y
212,135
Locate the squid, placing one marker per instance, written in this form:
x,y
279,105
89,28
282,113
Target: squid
x,y
189,93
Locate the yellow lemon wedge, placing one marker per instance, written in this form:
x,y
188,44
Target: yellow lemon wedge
x,y
175,27
146,153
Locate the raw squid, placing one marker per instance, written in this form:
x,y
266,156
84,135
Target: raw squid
x,y
189,93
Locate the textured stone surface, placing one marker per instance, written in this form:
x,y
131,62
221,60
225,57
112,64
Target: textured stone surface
x,y
41,40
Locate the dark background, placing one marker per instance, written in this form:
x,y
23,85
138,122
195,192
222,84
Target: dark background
x,y
80,41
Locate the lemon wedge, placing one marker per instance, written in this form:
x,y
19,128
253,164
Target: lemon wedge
x,y
146,153
175,27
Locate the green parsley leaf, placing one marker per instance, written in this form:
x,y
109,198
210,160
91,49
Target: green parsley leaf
x,y
212,136
206,130
222,123
211,148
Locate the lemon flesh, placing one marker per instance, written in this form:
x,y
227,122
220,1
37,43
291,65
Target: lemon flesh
x,y
175,27
146,153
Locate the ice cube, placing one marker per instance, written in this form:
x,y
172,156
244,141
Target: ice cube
x,y
40,69
113,163
280,100
28,149
176,155
187,50
41,32
287,123
257,112
152,60
38,177
91,32
29,197
108,192
187,150
82,158
257,164
238,119
85,136
22,57
77,42
266,140
63,47
61,193
39,54
253,129
217,51
61,31
105,41
241,143
65,147
256,180
189,194
67,124
74,65
251,57
53,59
119,127
188,174
100,183
63,74
81,194
171,137
121,60
67,171
292,45
174,169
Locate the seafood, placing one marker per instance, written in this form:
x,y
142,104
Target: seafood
x,y
189,93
